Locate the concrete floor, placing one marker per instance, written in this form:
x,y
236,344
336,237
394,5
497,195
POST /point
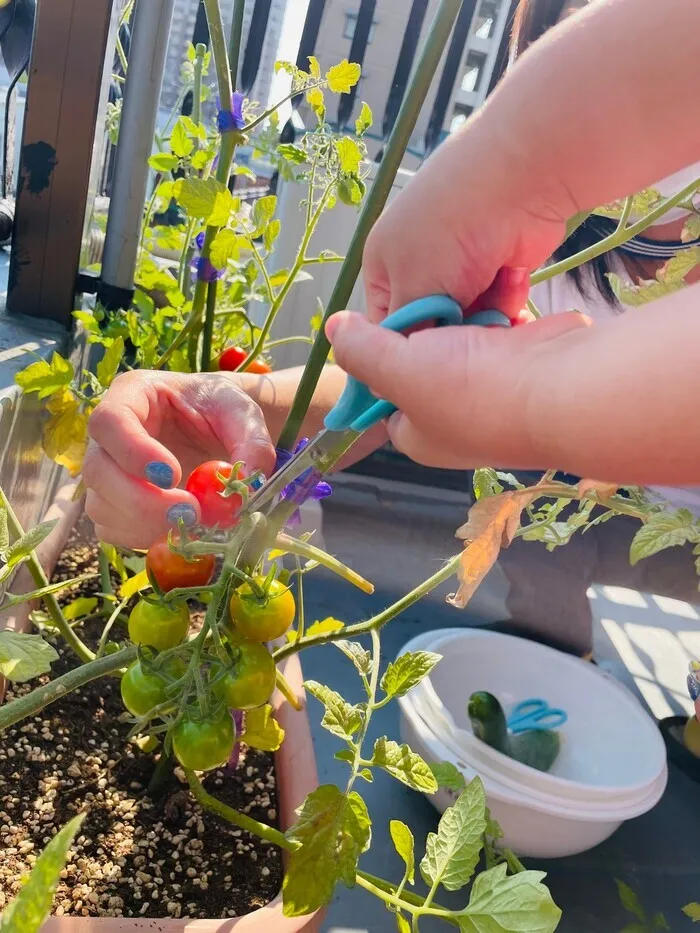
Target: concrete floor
x,y
394,535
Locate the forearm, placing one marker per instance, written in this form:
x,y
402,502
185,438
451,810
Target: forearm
x,y
274,393
618,402
596,109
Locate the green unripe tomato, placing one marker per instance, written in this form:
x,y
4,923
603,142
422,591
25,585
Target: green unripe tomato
x,y
251,680
201,744
158,625
143,690
262,619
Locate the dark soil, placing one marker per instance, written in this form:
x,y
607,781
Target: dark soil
x,y
135,856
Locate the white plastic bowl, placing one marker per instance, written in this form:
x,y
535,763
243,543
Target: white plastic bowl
x,y
612,766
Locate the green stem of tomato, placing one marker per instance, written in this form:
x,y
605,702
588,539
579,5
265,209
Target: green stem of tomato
x,y
242,820
162,776
32,703
303,549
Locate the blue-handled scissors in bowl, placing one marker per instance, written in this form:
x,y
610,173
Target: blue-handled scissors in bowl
x,y
535,714
358,409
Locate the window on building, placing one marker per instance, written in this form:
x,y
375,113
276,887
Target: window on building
x,y
474,69
459,116
485,19
351,25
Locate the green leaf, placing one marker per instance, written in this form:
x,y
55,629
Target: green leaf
x,y
263,212
293,154
134,585
24,546
630,901
225,205
4,532
691,231
201,158
692,911
262,730
402,837
343,77
502,903
452,853
663,530
163,161
403,764
272,231
360,657
325,626
406,671
46,378
29,910
24,657
108,367
448,776
80,607
349,154
402,924
351,189
197,130
198,196
245,171
345,755
364,121
314,67
485,483
315,100
44,590
88,320
180,143
225,245
341,718
333,830
659,922
678,267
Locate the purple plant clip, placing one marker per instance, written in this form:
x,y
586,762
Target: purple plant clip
x,y
308,485
230,121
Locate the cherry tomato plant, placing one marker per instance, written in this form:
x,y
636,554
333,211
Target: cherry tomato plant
x,y
198,692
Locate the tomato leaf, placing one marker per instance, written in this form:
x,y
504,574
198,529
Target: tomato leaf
x,y
630,901
343,77
108,367
163,161
349,154
364,121
351,189
23,547
198,196
509,904
406,671
451,854
325,626
134,585
691,231
263,212
225,245
402,924
449,776
332,831
692,911
80,607
262,730
65,432
292,153
315,100
485,483
360,657
29,910
314,67
180,143
272,231
402,837
663,530
341,718
46,378
404,765
24,657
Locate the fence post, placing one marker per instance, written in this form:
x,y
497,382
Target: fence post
x,y
69,71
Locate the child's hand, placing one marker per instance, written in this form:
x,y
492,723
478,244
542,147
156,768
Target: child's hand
x,y
149,433
467,396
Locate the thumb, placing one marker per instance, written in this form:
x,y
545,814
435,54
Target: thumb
x,y
372,354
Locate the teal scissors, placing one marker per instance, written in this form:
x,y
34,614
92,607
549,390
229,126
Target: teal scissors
x,y
535,714
358,409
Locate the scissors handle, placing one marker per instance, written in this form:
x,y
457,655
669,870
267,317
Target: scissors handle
x,y
535,714
357,408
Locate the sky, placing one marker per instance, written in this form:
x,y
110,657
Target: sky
x,y
289,43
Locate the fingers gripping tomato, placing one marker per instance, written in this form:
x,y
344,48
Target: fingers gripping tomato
x,y
158,625
143,690
251,680
205,485
262,619
203,743
171,570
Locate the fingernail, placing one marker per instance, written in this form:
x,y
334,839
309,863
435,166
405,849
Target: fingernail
x,y
258,482
516,277
160,474
693,687
331,325
181,512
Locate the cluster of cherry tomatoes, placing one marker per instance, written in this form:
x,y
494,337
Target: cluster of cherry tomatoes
x,y
259,612
233,357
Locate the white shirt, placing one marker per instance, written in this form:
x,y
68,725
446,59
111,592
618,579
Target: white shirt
x,y
560,294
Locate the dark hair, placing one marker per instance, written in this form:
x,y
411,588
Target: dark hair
x,y
531,21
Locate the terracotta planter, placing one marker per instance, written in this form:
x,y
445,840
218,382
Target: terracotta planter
x,y
295,767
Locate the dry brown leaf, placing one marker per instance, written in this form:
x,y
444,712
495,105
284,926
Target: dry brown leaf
x,y
602,490
491,525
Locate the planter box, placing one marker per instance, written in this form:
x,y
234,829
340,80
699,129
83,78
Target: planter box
x,y
295,767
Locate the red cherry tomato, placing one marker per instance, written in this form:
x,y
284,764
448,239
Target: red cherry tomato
x,y
172,570
205,485
233,357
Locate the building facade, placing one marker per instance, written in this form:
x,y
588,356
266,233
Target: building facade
x,y
182,30
489,19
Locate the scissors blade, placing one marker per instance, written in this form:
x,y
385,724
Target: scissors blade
x,y
311,456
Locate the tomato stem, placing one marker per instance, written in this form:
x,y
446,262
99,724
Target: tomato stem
x,y
288,693
302,549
